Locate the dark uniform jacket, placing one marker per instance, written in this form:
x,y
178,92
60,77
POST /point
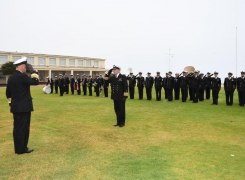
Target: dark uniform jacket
x,y
18,89
158,82
140,81
176,82
241,84
229,84
72,81
119,86
202,83
61,82
216,83
195,81
131,81
184,82
149,81
169,82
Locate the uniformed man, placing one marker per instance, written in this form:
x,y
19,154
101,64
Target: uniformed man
x,y
119,94
190,75
97,85
72,82
131,84
216,86
106,85
140,85
149,81
101,84
90,82
78,84
56,84
20,101
66,84
84,84
195,81
184,82
164,79
176,86
61,84
169,84
229,86
158,86
241,89
208,85
202,86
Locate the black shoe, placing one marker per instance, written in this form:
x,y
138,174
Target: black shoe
x,y
26,151
121,125
116,125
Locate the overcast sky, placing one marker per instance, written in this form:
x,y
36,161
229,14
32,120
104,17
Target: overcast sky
x,y
133,34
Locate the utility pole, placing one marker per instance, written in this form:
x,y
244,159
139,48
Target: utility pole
x,y
236,51
169,59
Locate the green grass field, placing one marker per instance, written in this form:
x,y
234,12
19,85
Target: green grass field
x,y
74,138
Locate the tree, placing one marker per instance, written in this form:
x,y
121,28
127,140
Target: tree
x,y
8,68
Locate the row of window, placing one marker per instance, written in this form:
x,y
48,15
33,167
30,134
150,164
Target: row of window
x,y
52,61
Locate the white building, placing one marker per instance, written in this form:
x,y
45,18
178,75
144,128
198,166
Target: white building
x,y
53,65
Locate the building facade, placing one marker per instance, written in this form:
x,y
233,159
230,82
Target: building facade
x,y
49,65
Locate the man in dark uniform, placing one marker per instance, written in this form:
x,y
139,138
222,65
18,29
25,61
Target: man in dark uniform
x,y
56,84
78,84
84,84
101,84
61,84
190,75
149,81
202,86
169,84
164,82
140,85
20,101
158,86
229,86
119,94
176,86
66,84
195,81
106,85
184,86
131,83
90,82
208,85
72,80
97,85
216,86
241,89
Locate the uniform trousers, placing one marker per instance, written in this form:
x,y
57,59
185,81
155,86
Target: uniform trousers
x,y
61,90
176,93
148,93
106,91
140,90
84,90
184,93
195,95
201,94
56,89
72,88
119,107
215,95
158,94
241,97
207,92
21,131
229,97
90,90
169,94
131,92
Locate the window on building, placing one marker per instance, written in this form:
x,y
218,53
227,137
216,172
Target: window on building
x,y
96,63
3,59
52,61
41,61
30,60
15,58
88,63
80,62
72,62
62,62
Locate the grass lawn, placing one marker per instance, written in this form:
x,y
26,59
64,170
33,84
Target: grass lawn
x,y
74,138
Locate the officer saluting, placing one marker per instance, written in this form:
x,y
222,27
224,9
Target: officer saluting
x,y
119,94
20,101
140,85
241,89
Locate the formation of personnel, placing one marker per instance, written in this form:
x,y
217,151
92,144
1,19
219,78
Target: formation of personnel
x,y
194,85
